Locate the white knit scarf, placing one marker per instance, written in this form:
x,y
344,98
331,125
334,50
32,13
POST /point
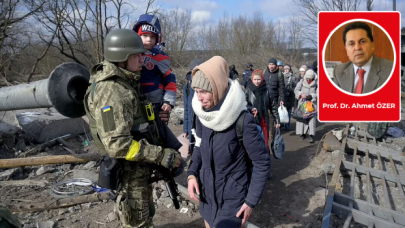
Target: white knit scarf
x,y
223,118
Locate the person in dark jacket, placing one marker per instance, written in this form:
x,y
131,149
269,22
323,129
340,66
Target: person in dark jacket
x,y
274,81
289,81
275,85
188,94
247,74
315,66
259,103
233,74
219,170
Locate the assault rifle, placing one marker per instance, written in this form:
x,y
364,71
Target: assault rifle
x,y
160,172
163,173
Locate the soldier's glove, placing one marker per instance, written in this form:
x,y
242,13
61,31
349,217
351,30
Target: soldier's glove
x,y
143,151
171,158
164,116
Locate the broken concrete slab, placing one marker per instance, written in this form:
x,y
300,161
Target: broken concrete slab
x,y
179,113
5,175
44,169
77,173
9,122
46,124
328,168
47,224
90,165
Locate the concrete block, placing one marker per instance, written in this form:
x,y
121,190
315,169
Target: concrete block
x,y
77,173
8,122
90,165
6,174
44,169
179,113
45,124
48,224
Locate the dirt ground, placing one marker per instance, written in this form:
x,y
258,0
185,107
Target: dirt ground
x,y
294,197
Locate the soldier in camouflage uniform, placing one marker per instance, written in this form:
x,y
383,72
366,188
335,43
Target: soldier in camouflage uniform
x,y
115,105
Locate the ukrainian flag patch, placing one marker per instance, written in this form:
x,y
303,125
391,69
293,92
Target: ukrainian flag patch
x,y
107,116
106,108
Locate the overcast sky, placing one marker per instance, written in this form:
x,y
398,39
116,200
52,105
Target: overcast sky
x,y
212,10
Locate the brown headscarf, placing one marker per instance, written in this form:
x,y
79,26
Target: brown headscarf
x,y
217,71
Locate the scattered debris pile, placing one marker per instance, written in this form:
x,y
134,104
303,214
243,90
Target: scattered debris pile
x,y
366,188
38,178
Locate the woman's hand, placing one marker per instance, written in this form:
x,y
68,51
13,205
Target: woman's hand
x,y
277,125
254,112
303,96
192,184
246,211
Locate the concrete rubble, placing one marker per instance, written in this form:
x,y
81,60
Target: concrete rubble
x,y
38,125
24,131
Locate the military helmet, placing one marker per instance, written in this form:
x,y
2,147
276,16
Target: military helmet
x,y
249,65
119,44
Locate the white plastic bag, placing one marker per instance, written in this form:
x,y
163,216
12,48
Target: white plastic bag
x,y
282,112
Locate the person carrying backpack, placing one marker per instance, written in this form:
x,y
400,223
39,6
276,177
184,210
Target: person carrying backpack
x,y
219,170
259,103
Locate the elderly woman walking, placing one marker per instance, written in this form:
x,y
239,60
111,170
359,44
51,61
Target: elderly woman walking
x,y
219,170
307,89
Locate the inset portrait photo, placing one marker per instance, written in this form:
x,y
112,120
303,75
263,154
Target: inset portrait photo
x,y
359,75
361,55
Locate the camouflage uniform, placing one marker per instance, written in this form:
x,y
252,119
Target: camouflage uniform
x,y
114,129
115,106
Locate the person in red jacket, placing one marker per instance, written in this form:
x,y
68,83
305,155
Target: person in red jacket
x,y
158,82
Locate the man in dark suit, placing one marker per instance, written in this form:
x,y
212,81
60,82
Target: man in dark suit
x,y
365,72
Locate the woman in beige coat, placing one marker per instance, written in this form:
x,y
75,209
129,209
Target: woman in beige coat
x,y
307,89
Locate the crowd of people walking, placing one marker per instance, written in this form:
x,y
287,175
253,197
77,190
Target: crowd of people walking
x,y
230,125
226,114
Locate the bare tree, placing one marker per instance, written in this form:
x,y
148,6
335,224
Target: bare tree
x,y
34,67
176,28
13,37
369,5
295,41
81,25
310,9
